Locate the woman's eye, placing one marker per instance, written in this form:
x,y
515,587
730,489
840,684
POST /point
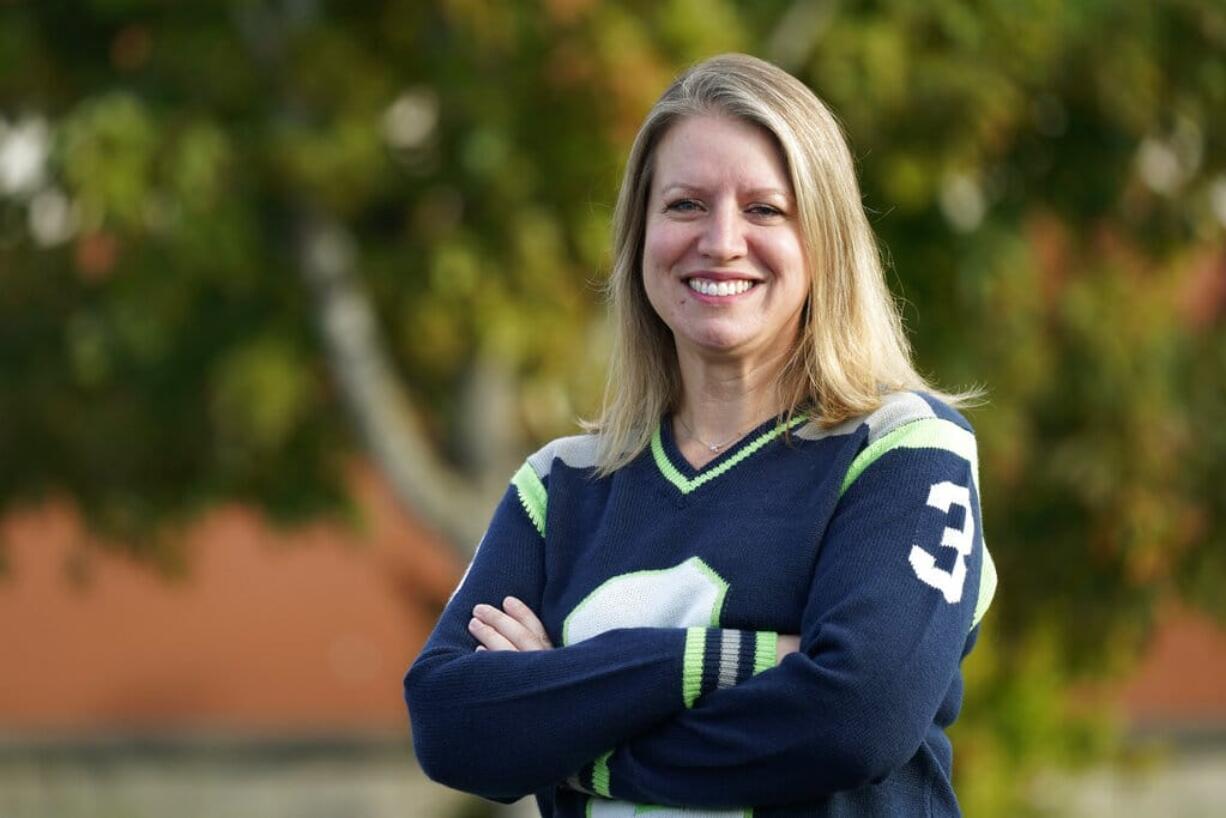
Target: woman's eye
x,y
765,210
683,206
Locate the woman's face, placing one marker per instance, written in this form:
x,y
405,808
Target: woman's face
x,y
723,258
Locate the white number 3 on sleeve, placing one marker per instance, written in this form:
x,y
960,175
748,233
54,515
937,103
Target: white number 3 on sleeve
x,y
949,583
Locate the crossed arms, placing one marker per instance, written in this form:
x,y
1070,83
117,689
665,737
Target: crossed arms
x,y
879,647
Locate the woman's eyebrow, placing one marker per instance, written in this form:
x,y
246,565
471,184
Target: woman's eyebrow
x,y
680,186
766,192
755,193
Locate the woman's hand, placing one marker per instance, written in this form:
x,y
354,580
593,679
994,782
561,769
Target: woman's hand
x,y
787,643
515,628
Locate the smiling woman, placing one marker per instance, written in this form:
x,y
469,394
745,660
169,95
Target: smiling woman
x,y
748,590
723,257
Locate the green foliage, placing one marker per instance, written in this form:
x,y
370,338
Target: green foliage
x,y
1046,177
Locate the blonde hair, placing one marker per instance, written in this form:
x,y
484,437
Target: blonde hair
x,y
851,348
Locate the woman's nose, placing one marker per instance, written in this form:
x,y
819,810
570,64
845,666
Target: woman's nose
x,y
723,235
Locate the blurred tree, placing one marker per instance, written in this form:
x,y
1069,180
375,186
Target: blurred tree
x,y
220,222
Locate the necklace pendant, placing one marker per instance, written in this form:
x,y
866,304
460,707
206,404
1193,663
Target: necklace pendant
x,y
714,448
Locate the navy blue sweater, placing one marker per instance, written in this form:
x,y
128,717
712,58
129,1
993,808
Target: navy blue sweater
x,y
664,588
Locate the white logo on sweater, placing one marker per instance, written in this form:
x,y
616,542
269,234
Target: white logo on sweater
x,y
687,595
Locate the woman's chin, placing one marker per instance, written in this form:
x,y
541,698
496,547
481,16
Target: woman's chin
x,y
726,344
721,344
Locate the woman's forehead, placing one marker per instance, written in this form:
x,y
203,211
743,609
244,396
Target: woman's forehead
x,y
702,153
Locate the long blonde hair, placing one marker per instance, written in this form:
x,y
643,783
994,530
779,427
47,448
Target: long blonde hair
x,y
851,348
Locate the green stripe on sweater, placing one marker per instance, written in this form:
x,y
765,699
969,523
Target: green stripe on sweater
x,y
928,433
686,485
532,495
691,678
600,775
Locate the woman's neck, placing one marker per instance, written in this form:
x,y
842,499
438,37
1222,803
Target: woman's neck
x,y
721,402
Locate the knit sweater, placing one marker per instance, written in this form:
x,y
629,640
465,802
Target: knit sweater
x,y
664,588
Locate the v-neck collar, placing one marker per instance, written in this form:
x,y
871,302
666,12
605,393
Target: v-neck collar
x,y
678,471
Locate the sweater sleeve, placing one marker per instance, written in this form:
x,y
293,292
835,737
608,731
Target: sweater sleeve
x,y
502,724
894,597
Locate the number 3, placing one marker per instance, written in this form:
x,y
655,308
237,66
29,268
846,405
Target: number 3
x,y
941,496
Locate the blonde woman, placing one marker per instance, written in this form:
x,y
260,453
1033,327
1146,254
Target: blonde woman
x,y
749,589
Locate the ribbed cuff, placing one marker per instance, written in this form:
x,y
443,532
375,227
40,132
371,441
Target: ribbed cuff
x,y
718,657
593,779
765,654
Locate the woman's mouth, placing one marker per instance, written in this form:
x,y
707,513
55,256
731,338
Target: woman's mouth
x,y
718,289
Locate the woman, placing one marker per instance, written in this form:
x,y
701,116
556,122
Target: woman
x,y
764,565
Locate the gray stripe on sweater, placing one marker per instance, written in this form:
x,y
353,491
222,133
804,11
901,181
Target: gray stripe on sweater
x,y
729,657
576,451
897,409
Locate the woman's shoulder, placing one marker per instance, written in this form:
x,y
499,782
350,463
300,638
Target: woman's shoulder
x,y
901,409
898,413
909,421
573,452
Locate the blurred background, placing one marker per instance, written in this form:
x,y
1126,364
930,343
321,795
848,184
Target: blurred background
x,y
289,287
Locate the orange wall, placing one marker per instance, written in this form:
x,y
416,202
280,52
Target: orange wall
x,y
1182,679
304,630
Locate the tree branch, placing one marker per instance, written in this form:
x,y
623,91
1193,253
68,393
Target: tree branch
x,y
424,486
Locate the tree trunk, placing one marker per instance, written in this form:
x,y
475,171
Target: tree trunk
x,y
424,485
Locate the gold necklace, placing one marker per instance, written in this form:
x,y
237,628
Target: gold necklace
x,y
714,448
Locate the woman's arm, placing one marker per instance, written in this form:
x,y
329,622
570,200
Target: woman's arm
x,y
892,604
503,724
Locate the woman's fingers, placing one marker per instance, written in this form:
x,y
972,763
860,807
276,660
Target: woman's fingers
x,y
516,628
786,643
524,615
489,636
516,635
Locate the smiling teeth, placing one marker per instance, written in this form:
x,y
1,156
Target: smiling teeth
x,y
707,287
